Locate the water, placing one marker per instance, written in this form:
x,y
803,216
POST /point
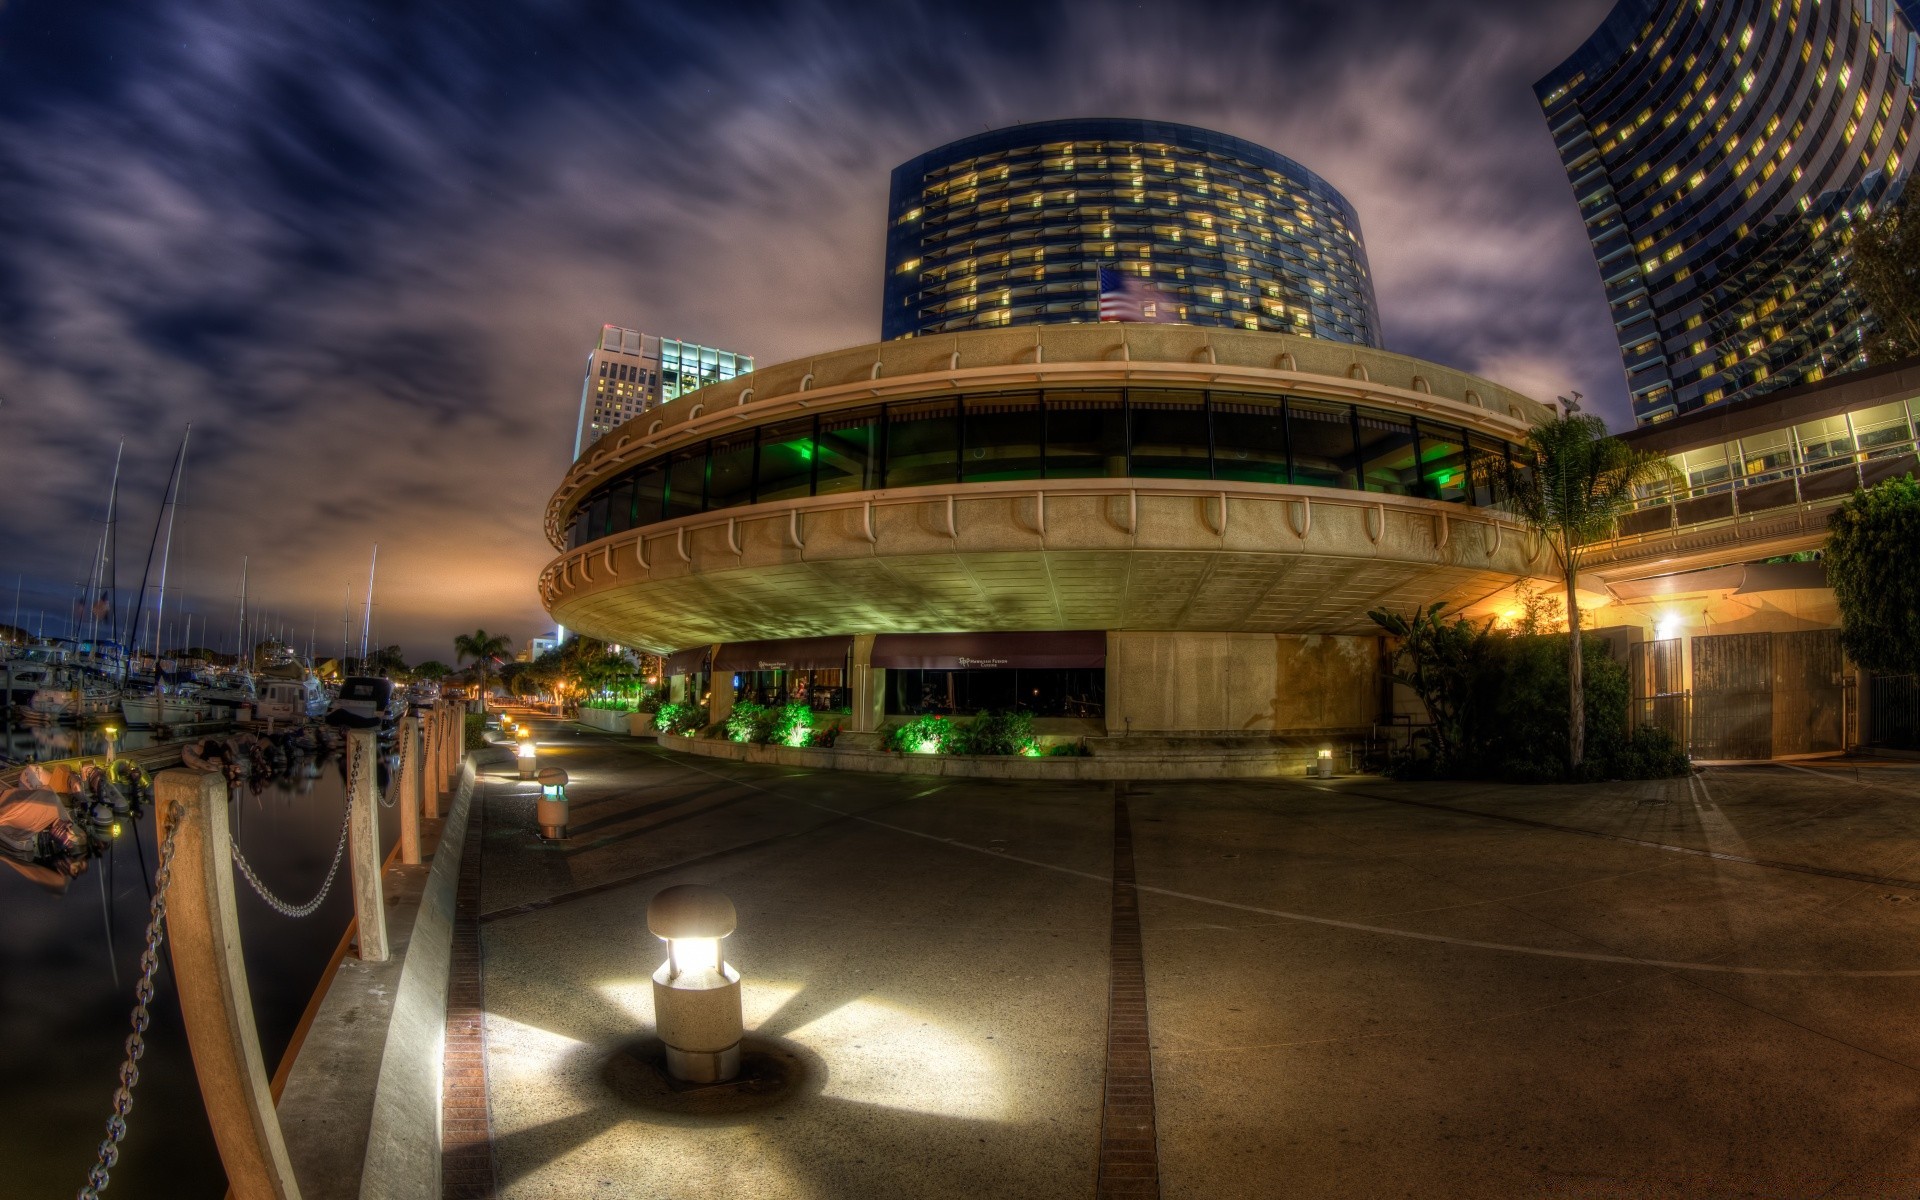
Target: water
x,y
63,1016
41,743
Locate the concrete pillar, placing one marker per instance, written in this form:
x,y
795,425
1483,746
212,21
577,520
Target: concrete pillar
x,y
363,843
413,770
456,743
210,975
866,687
720,692
432,777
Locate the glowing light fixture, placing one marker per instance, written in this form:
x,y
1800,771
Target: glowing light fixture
x,y
696,995
528,754
1668,627
1323,762
550,811
113,734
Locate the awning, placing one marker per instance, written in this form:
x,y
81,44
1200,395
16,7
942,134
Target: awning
x,y
786,654
1042,650
688,662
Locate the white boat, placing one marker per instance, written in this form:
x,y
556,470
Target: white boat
x,y
163,708
73,698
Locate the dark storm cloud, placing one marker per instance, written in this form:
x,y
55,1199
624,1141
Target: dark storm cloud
x,y
365,248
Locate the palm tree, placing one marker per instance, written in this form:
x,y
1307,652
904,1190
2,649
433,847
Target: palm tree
x,y
1581,483
483,649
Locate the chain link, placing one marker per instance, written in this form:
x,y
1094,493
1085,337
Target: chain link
x,y
312,906
108,1155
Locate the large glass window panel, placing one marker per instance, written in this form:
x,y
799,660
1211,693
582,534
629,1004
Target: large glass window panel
x,y
846,451
577,536
1249,438
1765,456
730,476
620,507
1487,472
1706,468
786,460
1169,434
923,443
1320,436
1387,461
686,481
597,518
1824,440
649,490
1086,435
1003,436
1443,462
1885,425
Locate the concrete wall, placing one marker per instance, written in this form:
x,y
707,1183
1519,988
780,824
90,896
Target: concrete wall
x,y
1240,682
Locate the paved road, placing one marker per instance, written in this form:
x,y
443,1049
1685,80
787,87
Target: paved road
x,y
1361,988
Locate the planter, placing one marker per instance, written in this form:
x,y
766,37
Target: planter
x,y
640,725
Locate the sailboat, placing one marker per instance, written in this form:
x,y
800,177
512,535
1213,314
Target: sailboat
x,y
161,707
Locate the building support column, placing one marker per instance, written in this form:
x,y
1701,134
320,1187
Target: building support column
x,y
719,692
866,686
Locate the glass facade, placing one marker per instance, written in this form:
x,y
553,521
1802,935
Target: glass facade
x,y
630,372
1092,433
1012,227
1721,154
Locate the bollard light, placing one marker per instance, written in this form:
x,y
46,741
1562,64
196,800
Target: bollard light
x,y
550,811
113,733
696,995
529,754
1323,766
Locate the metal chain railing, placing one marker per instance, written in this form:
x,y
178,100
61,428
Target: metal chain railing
x,y
109,1154
312,906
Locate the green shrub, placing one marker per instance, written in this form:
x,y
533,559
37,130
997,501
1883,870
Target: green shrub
x,y
679,719
750,722
996,732
477,731
922,735
1069,750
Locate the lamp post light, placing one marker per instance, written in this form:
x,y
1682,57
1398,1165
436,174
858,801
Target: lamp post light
x,y
550,811
696,995
528,753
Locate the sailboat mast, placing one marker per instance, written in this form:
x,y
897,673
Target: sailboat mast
x,y
102,564
140,603
160,611
366,623
243,658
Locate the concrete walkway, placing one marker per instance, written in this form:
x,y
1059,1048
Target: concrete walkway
x,y
1355,989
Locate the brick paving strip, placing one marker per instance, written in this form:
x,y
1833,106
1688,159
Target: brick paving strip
x,y
1129,1145
466,1139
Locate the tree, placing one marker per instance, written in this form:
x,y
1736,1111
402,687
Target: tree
x,y
433,670
1875,573
1437,659
386,660
484,650
1581,483
1884,271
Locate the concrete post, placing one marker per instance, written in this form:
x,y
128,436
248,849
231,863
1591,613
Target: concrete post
x,y
860,686
363,843
431,783
412,773
210,974
456,743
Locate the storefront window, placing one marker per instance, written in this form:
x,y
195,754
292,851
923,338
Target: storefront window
x,y
922,443
1044,692
845,452
1169,435
786,461
1086,435
1249,438
1004,436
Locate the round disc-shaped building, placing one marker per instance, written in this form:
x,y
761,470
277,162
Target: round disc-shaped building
x,y
1015,226
1127,528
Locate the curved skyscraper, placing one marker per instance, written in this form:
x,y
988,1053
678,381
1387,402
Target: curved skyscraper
x,y
1013,227
1721,153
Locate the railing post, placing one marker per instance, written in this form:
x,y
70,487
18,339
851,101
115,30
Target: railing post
x,y
412,773
430,762
363,842
210,974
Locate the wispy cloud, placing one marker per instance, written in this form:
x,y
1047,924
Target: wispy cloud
x,y
365,254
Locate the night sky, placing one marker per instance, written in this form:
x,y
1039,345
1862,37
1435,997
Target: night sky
x,y
366,247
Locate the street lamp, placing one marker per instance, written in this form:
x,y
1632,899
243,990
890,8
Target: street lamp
x,y
696,995
550,811
528,754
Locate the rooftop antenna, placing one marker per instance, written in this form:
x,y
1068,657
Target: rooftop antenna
x,y
1572,405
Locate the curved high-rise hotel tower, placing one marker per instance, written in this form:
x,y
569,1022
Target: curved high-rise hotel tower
x,y
1012,227
1721,153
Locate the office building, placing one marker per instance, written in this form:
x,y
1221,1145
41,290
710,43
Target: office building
x,y
1012,227
629,372
1722,154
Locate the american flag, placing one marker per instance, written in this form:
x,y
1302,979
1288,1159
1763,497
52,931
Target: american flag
x,y
1130,298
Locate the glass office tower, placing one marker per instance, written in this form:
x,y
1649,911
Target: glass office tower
x,y
1722,151
1012,227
